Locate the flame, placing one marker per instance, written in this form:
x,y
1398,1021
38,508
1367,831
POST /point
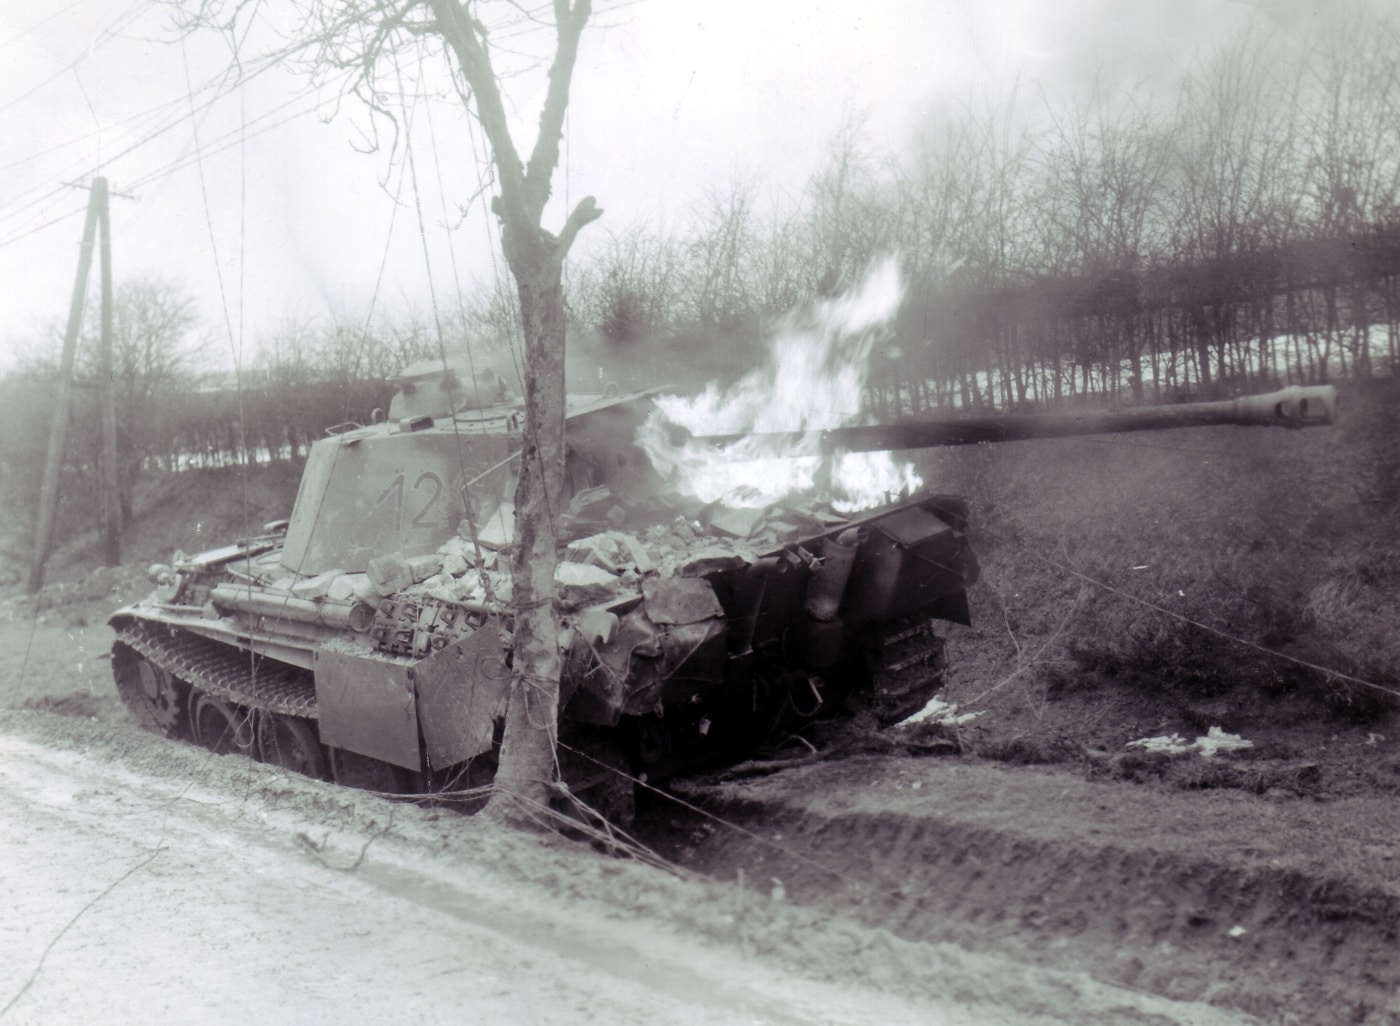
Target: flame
x,y
813,379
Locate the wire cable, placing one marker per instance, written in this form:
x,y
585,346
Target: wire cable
x,y
1182,618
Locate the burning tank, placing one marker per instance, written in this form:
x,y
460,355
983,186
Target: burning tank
x,y
367,639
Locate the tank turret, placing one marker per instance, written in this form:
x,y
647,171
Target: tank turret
x,y
367,639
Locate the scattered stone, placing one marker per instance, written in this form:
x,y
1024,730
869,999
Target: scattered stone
x,y
388,574
580,584
316,587
732,522
597,626
613,551
423,567
498,530
352,586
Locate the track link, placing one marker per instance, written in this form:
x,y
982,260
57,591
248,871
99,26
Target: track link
x,y
908,664
222,671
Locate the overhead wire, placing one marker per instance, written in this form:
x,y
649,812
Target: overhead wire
x,y
379,277
148,179
461,316
110,32
234,347
177,106
42,21
513,313
432,291
196,116
241,141
218,86
40,227
1218,632
230,139
451,246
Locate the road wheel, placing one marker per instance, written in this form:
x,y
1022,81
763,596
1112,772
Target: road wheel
x,y
598,773
156,698
350,769
221,727
291,743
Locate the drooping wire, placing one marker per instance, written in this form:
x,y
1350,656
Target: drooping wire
x,y
512,311
451,246
1235,639
110,32
20,203
462,319
378,280
85,168
218,267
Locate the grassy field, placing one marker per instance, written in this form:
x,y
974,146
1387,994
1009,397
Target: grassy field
x,y
1167,582
1132,585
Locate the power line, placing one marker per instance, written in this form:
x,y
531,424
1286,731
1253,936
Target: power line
x,y
1182,618
100,39
220,85
145,116
228,140
42,22
38,228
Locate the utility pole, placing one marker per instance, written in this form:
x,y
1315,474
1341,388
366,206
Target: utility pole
x,y
111,497
58,430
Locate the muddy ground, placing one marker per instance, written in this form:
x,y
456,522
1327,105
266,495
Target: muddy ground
x,y
148,881
1042,869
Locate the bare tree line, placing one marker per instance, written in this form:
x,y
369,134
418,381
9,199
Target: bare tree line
x,y
1246,233
1243,235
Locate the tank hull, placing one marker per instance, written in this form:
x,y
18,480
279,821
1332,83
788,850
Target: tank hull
x,y
368,638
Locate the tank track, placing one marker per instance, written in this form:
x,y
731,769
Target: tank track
x,y
222,671
907,668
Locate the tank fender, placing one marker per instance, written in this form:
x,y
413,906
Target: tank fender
x,y
381,705
461,692
366,704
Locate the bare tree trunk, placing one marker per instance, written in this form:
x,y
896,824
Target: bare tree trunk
x,y
532,723
536,259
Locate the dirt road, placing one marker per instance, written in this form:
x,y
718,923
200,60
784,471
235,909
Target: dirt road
x,y
145,881
135,899
130,898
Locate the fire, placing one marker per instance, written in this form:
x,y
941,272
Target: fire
x,y
813,379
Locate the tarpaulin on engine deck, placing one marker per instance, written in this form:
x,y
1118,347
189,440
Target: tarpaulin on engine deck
x,y
669,647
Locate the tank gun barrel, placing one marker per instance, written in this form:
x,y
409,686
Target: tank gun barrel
x,y
1296,406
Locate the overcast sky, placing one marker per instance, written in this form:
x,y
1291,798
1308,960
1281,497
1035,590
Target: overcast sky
x,y
261,206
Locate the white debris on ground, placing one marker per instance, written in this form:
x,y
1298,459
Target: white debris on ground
x,y
1171,744
943,713
1212,744
1216,741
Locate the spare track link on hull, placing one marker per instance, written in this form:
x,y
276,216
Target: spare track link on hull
x,y
225,672
909,664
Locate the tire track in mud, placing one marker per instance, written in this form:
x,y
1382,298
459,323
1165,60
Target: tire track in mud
x,y
1288,946
695,950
